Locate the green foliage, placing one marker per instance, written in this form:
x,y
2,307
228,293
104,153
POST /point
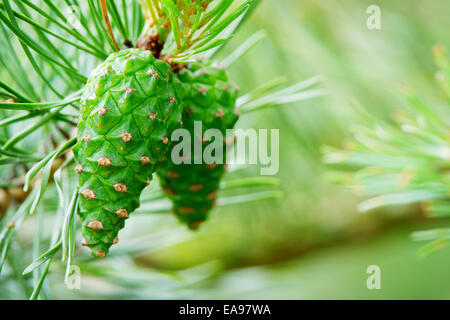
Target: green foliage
x,y
404,160
184,29
47,61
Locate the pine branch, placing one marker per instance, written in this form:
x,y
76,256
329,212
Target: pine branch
x,y
401,161
61,56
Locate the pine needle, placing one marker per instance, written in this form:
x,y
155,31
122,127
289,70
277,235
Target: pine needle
x,y
108,24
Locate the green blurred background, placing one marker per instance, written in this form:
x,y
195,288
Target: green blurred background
x,y
315,242
312,243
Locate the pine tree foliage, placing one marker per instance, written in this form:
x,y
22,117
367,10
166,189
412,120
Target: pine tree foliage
x,y
49,51
404,160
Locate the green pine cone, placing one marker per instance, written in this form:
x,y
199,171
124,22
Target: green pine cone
x,y
130,107
211,99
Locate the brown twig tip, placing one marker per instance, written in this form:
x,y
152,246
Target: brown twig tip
x,y
95,225
148,182
145,160
100,253
88,194
151,43
86,138
102,111
152,115
171,99
165,140
187,210
104,162
195,187
5,201
122,213
79,168
84,242
120,187
11,225
126,137
115,240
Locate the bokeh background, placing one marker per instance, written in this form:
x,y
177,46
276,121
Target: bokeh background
x,y
312,243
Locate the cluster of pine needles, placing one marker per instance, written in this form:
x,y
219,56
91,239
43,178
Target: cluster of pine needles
x,y
48,50
404,160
